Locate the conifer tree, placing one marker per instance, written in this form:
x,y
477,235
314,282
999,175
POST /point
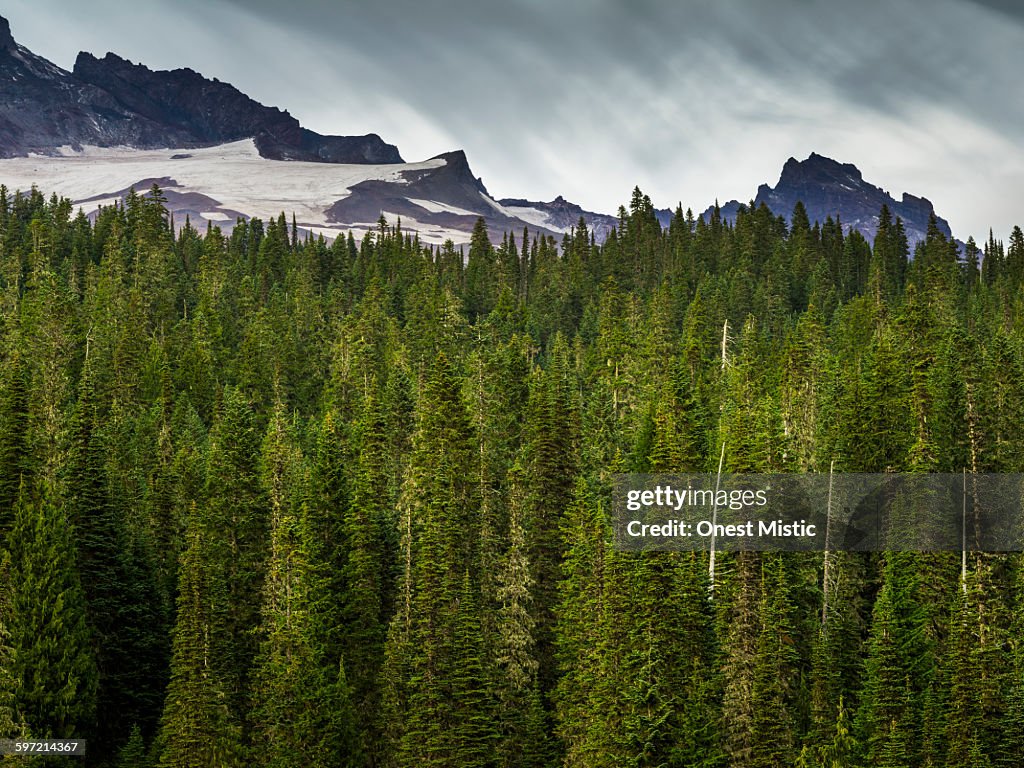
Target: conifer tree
x,y
15,450
235,520
197,727
521,712
1011,724
441,494
52,656
472,737
323,532
773,721
11,726
368,566
133,753
580,590
301,710
836,661
888,720
481,273
122,603
550,437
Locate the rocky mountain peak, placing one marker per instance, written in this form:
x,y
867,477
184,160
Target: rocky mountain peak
x,y
7,43
111,101
818,169
828,188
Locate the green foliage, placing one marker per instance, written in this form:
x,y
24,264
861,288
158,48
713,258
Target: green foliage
x,y
51,646
364,488
197,727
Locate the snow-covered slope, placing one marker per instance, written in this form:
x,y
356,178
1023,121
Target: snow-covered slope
x,y
220,183
559,215
110,125
439,198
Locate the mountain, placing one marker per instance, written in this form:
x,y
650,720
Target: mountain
x,y
212,112
829,188
110,102
439,198
560,215
110,126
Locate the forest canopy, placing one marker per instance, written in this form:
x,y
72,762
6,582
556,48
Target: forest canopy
x,y
267,500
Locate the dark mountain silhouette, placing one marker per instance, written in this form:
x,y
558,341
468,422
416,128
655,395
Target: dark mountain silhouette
x,y
829,188
111,101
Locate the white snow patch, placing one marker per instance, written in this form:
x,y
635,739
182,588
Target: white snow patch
x,y
429,233
435,207
533,216
494,204
234,174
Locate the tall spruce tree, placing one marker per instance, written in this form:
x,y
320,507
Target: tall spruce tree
x,y
235,521
197,727
52,652
302,711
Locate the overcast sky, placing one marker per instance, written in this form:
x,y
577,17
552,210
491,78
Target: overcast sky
x,y
691,101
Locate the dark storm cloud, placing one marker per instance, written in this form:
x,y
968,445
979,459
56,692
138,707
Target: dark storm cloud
x,y
586,98
876,52
1012,8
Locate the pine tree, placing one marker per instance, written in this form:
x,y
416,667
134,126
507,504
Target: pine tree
x,y
11,725
472,737
888,720
773,722
521,712
550,437
1011,723
963,712
133,753
440,494
52,660
580,591
301,710
122,604
836,662
739,593
235,520
481,273
197,728
842,751
15,450
324,536
368,566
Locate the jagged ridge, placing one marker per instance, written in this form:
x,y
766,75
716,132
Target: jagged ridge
x,y
111,101
829,188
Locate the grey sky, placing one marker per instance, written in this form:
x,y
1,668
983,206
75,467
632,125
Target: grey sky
x,y
587,98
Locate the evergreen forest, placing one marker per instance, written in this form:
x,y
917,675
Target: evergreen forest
x,y
270,501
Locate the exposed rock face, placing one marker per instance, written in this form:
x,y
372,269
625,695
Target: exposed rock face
x,y
828,188
7,43
212,112
43,107
564,215
449,196
111,101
